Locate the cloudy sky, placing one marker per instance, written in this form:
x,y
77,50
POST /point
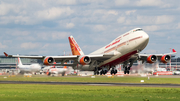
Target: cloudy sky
x,y
42,27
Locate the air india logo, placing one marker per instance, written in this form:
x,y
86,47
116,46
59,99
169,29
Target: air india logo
x,y
74,49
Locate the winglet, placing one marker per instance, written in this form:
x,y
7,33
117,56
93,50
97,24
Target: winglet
x,y
173,50
6,54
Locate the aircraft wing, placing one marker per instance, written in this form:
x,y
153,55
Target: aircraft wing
x,y
62,60
151,58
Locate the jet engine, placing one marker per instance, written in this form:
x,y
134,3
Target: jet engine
x,y
165,59
48,61
152,59
84,60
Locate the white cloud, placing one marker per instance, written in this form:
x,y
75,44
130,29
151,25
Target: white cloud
x,y
30,45
178,27
151,51
53,35
66,2
121,19
99,28
163,19
105,12
69,25
130,12
92,1
59,35
151,28
121,2
112,12
7,41
47,22
3,46
6,8
54,13
19,33
58,48
22,20
150,3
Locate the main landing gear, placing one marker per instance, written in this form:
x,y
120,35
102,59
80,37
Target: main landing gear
x,y
96,71
126,70
113,71
104,71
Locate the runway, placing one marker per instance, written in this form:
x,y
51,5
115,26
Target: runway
x,y
95,84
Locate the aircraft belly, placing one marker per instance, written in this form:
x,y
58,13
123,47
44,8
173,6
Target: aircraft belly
x,y
118,59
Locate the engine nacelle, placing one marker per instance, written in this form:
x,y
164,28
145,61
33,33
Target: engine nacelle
x,y
84,60
165,59
48,61
152,59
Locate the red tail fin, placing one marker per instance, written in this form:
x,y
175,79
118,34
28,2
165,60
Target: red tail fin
x,y
76,50
174,51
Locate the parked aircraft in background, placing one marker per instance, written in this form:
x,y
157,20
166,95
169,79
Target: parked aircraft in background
x,y
125,49
33,68
55,70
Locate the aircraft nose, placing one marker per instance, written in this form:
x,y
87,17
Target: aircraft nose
x,y
145,37
144,41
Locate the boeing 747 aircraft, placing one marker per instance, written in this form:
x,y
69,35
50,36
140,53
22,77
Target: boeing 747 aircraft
x,y
125,49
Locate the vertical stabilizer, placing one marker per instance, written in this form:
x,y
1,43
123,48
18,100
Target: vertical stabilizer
x,y
75,49
19,62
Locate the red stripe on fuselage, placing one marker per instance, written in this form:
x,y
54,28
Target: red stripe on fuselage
x,y
120,59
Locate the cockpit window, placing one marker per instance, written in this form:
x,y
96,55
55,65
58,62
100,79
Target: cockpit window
x,y
137,30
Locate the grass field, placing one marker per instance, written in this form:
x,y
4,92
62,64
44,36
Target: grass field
x,y
101,79
36,92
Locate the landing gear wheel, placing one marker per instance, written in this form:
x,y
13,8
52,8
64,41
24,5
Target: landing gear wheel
x,y
126,70
96,71
105,71
102,72
112,72
115,71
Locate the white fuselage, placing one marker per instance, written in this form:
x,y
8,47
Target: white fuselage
x,y
29,68
123,47
57,70
54,69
